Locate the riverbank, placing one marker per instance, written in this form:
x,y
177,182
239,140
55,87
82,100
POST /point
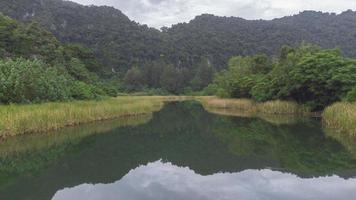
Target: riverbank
x,y
35,118
250,107
341,117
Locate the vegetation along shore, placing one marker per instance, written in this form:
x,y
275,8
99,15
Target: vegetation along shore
x,y
33,118
252,107
47,84
341,117
16,119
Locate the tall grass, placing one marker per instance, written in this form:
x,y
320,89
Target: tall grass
x,y
341,117
251,107
69,135
21,119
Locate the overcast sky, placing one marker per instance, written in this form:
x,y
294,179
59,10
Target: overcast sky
x,y
158,13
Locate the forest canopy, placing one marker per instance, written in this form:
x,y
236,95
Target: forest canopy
x,y
121,44
36,67
307,74
100,51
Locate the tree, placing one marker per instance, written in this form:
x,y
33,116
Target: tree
x,y
134,79
307,74
203,75
172,79
242,75
24,81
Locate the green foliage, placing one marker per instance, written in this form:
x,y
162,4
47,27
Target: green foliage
x,y
77,69
351,96
25,81
134,79
120,43
172,79
83,91
313,78
241,76
157,75
35,67
85,55
261,91
28,41
307,74
191,51
203,76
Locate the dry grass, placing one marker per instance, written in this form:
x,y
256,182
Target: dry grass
x,y
21,119
341,117
30,142
252,108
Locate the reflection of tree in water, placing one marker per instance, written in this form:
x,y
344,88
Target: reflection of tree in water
x,y
182,133
347,140
31,153
300,148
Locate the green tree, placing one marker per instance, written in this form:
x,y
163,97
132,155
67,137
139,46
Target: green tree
x,y
204,75
351,95
134,79
24,81
172,79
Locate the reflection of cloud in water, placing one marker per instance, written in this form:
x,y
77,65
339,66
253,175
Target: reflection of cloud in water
x,y
165,181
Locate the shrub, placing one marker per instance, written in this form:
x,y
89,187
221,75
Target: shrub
x,y
262,90
83,91
24,81
351,96
307,75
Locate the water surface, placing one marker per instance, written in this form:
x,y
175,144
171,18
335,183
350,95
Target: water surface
x,y
181,152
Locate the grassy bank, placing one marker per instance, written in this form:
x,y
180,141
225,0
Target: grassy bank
x,y
21,119
69,135
250,107
341,117
34,118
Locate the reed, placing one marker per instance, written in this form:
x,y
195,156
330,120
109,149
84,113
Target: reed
x,y
34,118
251,107
69,135
341,117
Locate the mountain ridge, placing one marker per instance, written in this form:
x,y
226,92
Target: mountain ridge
x,y
121,43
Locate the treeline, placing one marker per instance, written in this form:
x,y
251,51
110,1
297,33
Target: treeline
x,y
307,74
163,78
121,44
35,67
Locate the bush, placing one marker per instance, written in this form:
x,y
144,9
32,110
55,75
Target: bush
x,y
24,81
262,90
83,91
308,75
351,96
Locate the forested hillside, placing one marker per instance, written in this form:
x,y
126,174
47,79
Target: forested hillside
x,y
219,38
174,58
121,43
36,67
117,41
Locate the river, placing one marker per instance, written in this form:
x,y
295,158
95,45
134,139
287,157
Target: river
x,y
180,153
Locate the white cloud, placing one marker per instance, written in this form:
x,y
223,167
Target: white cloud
x,y
158,13
160,181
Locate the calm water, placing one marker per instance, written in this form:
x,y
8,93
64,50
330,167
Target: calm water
x,y
181,153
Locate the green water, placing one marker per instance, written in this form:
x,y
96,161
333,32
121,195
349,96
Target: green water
x,y
181,152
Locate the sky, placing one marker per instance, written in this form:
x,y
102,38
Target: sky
x,y
158,13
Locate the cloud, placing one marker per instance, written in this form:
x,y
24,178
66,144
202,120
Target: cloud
x,y
158,180
158,13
